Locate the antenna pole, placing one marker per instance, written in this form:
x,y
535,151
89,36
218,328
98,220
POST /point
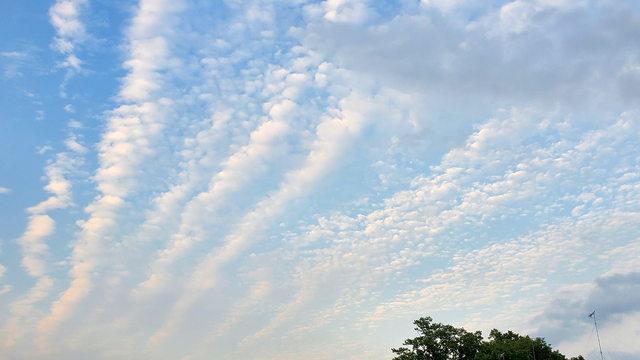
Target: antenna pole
x,y
593,315
533,350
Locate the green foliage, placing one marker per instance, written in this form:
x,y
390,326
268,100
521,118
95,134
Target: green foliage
x,y
440,342
511,346
444,342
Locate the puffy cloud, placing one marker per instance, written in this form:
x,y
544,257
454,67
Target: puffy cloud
x,y
64,16
73,144
388,242
333,135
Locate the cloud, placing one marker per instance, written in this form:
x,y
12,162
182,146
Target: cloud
x,y
125,144
14,329
75,124
40,226
13,61
614,297
73,144
32,242
69,108
64,15
332,137
44,149
493,272
148,49
247,162
502,58
15,54
340,11
11,71
4,190
444,5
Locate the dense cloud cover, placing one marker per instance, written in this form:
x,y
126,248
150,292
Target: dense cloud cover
x,y
272,179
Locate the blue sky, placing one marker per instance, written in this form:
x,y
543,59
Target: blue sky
x,y
271,179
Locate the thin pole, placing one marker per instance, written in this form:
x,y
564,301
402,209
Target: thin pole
x,y
593,315
533,350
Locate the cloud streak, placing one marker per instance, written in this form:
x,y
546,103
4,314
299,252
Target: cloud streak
x,y
64,15
124,146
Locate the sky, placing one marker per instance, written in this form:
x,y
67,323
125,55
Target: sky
x,y
298,179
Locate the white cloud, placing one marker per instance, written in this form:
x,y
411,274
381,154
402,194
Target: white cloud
x,y
44,149
32,242
349,11
15,54
125,144
40,227
14,328
333,137
264,146
4,190
64,15
75,124
339,11
494,272
73,144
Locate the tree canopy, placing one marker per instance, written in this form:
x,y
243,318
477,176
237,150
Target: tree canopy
x,y
438,341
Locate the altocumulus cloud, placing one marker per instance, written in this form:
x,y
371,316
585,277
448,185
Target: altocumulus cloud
x,y
301,179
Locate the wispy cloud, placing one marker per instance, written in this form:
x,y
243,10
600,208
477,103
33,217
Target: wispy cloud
x,y
64,15
32,242
15,54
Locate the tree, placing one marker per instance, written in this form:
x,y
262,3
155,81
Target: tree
x,y
444,342
439,342
512,346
